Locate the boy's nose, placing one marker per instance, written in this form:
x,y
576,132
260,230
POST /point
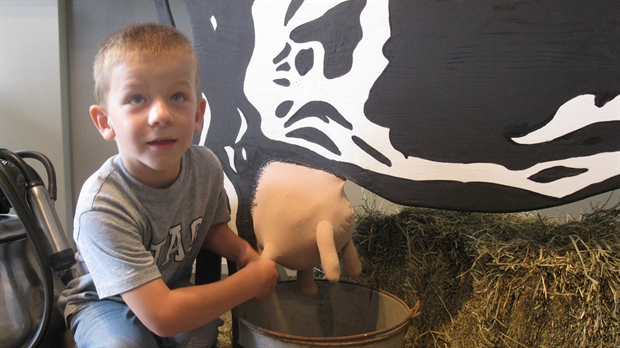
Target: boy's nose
x,y
159,113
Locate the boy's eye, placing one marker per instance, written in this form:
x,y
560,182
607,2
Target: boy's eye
x,y
177,98
136,100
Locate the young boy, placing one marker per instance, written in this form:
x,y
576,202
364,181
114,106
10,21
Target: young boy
x,y
143,216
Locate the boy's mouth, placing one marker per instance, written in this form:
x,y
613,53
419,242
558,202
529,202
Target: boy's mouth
x,y
162,142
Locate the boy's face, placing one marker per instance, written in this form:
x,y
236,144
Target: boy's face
x,y
152,112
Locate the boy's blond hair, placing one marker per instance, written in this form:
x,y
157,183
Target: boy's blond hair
x,y
144,41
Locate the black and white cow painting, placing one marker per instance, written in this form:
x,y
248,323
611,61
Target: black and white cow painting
x,y
480,105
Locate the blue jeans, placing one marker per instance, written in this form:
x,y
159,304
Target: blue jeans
x,y
108,323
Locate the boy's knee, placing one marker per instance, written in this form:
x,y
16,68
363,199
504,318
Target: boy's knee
x,y
130,336
109,324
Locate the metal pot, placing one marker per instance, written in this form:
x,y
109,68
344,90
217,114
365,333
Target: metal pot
x,y
34,252
341,315
21,288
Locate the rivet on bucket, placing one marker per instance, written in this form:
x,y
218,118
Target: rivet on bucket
x,y
341,315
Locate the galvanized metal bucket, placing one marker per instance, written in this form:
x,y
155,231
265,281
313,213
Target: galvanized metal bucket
x,y
341,315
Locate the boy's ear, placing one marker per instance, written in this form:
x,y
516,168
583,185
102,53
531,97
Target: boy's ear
x,y
200,114
101,121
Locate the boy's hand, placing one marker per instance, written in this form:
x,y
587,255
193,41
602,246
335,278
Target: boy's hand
x,y
247,256
256,278
267,277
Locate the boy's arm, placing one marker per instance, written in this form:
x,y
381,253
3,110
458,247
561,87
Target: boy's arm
x,y
226,243
168,312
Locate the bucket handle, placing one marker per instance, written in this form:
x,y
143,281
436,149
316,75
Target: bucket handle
x,y
415,311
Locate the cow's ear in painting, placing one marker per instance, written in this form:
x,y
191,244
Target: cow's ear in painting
x,y
100,119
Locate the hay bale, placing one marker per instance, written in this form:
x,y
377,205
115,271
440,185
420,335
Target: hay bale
x,y
225,335
497,280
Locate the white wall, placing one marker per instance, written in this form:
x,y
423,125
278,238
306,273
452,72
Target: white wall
x,y
33,87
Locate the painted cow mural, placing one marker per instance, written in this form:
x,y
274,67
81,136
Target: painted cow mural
x,y
493,106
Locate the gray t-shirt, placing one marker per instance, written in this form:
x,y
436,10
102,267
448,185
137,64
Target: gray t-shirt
x,y
128,234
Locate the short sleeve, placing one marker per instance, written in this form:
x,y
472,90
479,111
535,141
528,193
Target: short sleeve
x,y
114,254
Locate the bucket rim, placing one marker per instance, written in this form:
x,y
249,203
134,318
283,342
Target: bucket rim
x,y
368,337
